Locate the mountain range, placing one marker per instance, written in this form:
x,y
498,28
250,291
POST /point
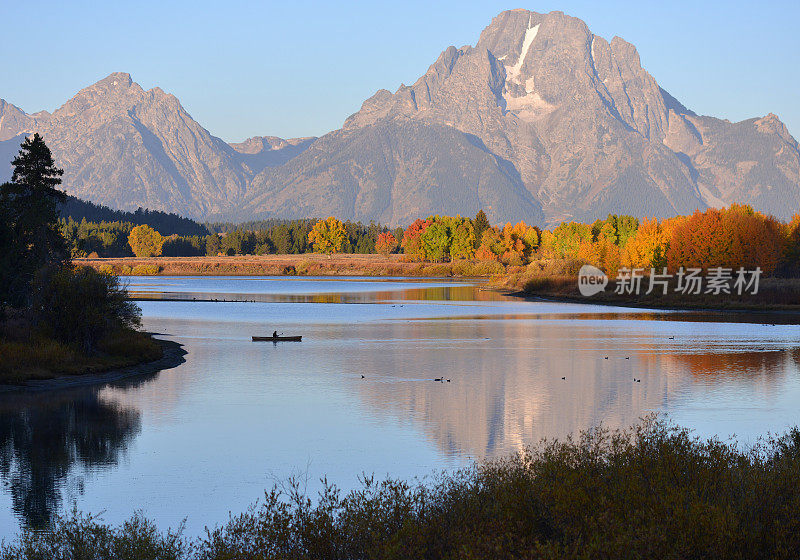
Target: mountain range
x,y
541,120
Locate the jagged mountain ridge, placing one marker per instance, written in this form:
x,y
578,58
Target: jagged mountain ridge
x,y
588,129
541,120
126,148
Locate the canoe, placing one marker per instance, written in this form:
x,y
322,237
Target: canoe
x,y
277,338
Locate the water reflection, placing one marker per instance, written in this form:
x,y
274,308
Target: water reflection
x,y
238,414
433,293
48,444
507,392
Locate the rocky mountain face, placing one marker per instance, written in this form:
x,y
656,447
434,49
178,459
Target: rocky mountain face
x,y
541,120
126,147
588,129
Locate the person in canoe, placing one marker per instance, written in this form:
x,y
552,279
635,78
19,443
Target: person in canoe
x,y
274,334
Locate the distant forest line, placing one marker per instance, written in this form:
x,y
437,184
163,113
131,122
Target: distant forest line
x,y
730,237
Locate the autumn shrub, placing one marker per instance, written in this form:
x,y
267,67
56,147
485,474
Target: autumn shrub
x,y
145,270
125,270
488,268
652,491
555,267
106,268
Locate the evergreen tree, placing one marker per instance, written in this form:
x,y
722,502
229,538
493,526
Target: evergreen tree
x,y
481,224
32,237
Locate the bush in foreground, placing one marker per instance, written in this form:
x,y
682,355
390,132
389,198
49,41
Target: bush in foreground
x,y
80,306
651,492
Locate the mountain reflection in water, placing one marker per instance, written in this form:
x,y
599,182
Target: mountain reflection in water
x,y
358,393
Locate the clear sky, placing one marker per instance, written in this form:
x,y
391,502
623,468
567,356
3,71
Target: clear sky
x,y
299,68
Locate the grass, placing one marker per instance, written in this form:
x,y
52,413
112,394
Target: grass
x,y
37,357
550,278
559,280
653,491
308,264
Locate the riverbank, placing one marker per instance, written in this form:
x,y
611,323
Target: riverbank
x,y
654,491
307,264
774,294
45,364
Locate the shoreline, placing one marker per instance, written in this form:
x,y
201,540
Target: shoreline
x,y
505,280
689,306
173,356
305,264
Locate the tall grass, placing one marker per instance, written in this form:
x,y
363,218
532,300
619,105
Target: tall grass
x,y
653,491
44,358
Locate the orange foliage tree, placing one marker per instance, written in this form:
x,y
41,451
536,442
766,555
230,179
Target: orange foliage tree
x,y
729,237
412,239
386,243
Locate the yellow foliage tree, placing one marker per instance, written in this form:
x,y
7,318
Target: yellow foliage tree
x,y
145,241
328,236
648,246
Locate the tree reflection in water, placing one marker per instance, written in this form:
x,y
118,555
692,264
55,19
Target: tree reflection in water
x,y
43,437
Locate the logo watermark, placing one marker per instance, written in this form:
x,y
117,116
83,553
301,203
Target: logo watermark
x,y
591,280
689,281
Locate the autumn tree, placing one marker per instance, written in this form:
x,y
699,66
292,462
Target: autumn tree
x,y
412,240
327,236
731,237
566,239
386,243
648,246
462,244
145,241
491,246
791,259
519,241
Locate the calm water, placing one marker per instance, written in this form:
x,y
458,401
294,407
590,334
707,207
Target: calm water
x,y
209,436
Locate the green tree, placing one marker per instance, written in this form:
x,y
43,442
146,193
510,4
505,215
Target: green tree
x,y
213,245
232,243
436,240
481,224
462,245
327,236
145,241
31,236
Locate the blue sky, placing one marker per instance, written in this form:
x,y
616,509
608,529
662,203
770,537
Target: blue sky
x,y
300,68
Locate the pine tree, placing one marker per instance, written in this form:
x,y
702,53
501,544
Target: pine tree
x,y
32,238
481,225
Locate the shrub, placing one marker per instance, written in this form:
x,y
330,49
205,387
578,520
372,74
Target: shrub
x,y
80,306
653,491
145,270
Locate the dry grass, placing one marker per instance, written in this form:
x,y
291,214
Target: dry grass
x,y
308,264
774,293
44,358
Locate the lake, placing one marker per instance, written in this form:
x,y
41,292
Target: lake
x,y
358,395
